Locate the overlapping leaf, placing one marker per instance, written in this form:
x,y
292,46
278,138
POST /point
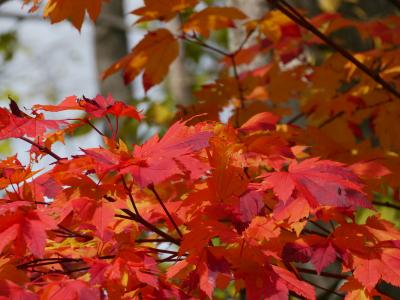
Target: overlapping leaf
x,y
320,182
153,55
163,10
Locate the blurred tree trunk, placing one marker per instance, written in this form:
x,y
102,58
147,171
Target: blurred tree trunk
x,y
179,82
111,44
254,9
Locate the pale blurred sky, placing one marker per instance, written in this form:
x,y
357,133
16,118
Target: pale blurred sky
x,y
52,62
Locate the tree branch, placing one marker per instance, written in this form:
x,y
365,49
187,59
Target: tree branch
x,y
129,193
296,17
153,189
386,204
131,216
326,274
42,148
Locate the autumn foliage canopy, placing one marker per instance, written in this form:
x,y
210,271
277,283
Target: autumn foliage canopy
x,y
259,207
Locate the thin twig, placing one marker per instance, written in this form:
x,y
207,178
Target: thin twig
x,y
239,84
341,113
131,216
153,189
151,241
386,204
95,128
42,148
324,288
325,274
162,250
331,119
129,193
197,41
248,35
296,117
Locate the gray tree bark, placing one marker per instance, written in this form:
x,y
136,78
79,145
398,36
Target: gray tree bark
x,y
179,82
111,44
254,9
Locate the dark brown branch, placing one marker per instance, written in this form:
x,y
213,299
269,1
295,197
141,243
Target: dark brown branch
x,y
70,233
239,84
167,259
331,119
47,261
296,117
339,114
56,260
131,216
42,148
197,41
162,250
296,17
94,127
331,291
325,274
248,35
151,241
386,204
129,193
153,189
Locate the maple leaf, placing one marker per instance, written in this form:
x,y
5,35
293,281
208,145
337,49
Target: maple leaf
x,y
261,121
73,10
12,172
262,228
299,287
10,290
158,159
162,10
133,262
212,18
250,205
69,289
153,55
18,124
25,230
94,212
369,169
378,263
320,182
323,256
96,107
209,268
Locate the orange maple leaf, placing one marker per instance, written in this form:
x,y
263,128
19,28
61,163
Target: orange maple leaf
x,y
212,18
153,55
163,10
74,10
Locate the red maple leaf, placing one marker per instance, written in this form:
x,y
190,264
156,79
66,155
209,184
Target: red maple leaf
x,y
18,124
320,182
174,153
96,107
